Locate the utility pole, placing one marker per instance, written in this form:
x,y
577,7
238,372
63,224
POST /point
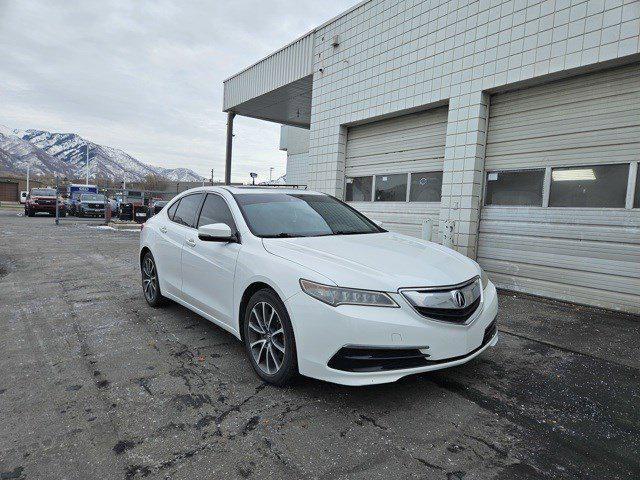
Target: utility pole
x,y
212,176
270,173
87,145
28,191
57,193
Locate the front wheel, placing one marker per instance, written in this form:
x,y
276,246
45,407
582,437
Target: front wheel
x,y
269,339
150,282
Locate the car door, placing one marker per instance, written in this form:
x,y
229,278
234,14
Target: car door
x,y
180,221
208,267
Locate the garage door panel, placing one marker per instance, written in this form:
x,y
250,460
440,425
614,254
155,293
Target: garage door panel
x,y
411,143
589,255
602,282
618,235
434,118
563,124
571,248
616,82
538,142
577,294
566,157
517,257
380,168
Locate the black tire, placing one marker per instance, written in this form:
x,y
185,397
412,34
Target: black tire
x,y
275,342
151,283
31,213
63,214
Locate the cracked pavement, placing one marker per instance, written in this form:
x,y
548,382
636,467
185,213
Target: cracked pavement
x,y
96,384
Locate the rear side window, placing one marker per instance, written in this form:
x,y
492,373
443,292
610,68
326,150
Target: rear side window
x,y
172,209
215,210
187,210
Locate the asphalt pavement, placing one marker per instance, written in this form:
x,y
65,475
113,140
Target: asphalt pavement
x,y
96,384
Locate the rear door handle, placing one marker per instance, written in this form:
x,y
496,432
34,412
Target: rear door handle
x,y
163,229
191,242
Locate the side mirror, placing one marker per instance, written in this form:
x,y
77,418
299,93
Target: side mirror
x,y
216,232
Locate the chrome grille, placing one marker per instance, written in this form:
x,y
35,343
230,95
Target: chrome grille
x,y
455,303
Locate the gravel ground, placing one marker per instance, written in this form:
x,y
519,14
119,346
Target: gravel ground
x,y
95,384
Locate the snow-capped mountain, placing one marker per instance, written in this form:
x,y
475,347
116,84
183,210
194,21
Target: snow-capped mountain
x,y
66,153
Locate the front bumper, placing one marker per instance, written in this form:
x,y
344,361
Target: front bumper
x,y
321,331
46,208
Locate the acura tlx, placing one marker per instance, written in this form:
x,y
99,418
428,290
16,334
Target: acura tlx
x,y
312,286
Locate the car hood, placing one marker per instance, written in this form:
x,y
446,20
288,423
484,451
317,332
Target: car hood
x,y
383,261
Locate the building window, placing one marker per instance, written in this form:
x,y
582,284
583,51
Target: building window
x,y
523,187
426,187
589,186
636,199
358,189
391,188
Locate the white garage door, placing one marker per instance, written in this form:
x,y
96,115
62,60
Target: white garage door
x,y
561,216
394,170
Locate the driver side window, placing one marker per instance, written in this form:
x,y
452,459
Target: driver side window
x,y
216,210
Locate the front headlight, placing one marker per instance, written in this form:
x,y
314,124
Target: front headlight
x,y
484,278
335,296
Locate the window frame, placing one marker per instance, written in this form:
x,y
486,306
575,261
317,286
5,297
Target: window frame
x,y
634,169
373,183
410,181
198,208
625,205
408,189
545,190
234,227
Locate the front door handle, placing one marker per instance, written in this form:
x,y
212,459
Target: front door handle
x,y
191,242
163,229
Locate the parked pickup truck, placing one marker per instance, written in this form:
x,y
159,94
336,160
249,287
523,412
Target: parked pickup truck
x,y
44,200
91,205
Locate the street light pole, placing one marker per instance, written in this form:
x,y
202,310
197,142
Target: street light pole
x,y
28,166
270,173
87,182
57,193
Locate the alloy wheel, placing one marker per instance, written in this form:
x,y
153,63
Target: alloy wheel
x,y
266,338
149,279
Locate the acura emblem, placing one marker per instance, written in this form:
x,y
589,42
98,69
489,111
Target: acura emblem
x,y
458,298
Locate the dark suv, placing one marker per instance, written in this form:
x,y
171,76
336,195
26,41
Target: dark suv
x,y
91,205
44,200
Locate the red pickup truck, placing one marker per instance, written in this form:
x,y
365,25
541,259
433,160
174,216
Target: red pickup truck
x,y
44,200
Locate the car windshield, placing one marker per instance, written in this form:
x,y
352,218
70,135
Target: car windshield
x,y
43,192
92,197
273,215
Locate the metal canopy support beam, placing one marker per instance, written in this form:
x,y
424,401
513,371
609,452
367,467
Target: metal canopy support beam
x,y
227,168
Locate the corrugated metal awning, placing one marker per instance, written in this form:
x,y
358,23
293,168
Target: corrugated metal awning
x,y
277,88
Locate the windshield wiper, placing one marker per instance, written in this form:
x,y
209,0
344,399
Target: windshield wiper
x,y
282,235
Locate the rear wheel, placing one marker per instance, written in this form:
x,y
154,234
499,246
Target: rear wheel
x,y
31,213
269,339
150,282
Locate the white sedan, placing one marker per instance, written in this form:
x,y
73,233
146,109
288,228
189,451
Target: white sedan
x,y
312,286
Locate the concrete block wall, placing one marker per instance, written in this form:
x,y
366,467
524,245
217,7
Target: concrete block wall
x,y
398,56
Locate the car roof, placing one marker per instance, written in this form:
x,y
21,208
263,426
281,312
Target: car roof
x,y
244,189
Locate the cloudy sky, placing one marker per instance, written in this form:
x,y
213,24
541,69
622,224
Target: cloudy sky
x,y
146,76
